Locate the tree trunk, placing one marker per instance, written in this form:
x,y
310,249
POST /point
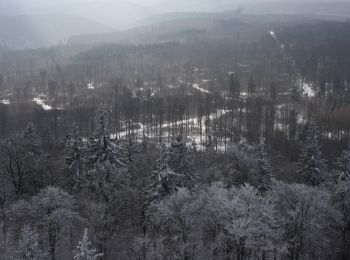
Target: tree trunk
x,y
52,240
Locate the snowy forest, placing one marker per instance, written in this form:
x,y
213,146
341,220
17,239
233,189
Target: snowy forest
x,y
216,136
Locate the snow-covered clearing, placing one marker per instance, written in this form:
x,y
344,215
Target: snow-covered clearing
x,y
41,102
308,90
5,102
193,123
196,86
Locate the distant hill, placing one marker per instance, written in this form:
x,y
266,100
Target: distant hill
x,y
125,21
119,14
181,27
20,32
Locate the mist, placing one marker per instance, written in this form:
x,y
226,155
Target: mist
x,y
174,129
121,14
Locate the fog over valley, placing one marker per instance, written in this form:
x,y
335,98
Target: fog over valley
x,y
174,130
32,22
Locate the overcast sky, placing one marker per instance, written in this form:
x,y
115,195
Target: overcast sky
x,y
111,12
40,6
30,6
123,13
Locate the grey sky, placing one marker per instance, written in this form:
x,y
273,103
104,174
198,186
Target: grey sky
x,y
118,13
123,13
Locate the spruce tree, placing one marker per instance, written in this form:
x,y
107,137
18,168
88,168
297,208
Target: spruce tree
x,y
28,245
84,249
235,86
343,164
273,92
174,169
75,154
129,152
102,150
251,86
311,164
210,146
262,171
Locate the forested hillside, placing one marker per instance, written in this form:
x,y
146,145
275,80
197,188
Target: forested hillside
x,y
212,139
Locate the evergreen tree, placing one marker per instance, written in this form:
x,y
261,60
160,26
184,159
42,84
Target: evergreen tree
x,y
19,157
262,172
235,86
292,124
75,154
251,86
194,146
30,131
54,211
47,139
295,95
179,157
343,164
84,249
210,146
28,245
129,152
323,88
101,148
273,91
165,182
341,200
174,169
311,164
30,139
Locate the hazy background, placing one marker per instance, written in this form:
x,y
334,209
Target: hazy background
x,y
32,23
121,14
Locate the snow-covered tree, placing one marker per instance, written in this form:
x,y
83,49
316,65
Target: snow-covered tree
x,y
104,222
179,157
303,214
174,169
343,164
311,164
234,86
47,139
28,245
174,218
84,250
261,173
252,86
129,152
341,200
246,221
166,182
18,159
236,222
210,146
194,146
101,148
53,209
75,154
31,139
147,248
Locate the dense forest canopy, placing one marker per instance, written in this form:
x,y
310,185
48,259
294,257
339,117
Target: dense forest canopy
x,y
196,136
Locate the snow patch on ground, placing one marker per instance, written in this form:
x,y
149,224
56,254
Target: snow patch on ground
x,y
5,102
93,85
308,90
41,102
194,124
196,86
